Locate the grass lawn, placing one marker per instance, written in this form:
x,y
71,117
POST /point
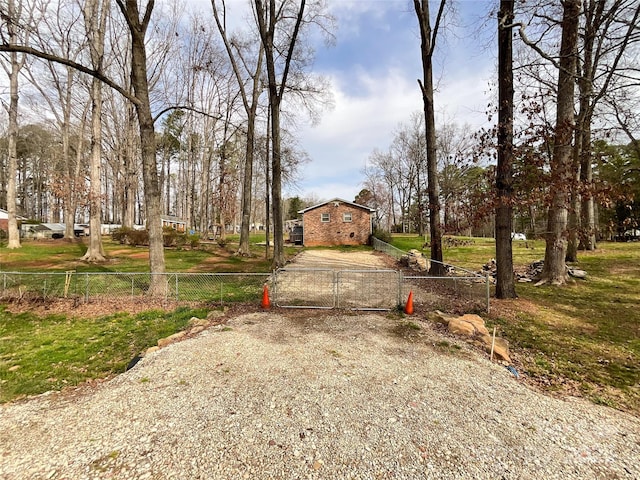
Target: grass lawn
x,y
60,255
41,353
582,338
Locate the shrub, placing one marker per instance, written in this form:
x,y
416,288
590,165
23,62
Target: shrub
x,y
193,240
121,235
138,237
130,236
382,235
169,236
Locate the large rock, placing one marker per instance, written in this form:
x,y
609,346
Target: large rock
x,y
198,322
415,260
460,327
500,348
576,273
477,322
473,327
468,325
441,317
163,342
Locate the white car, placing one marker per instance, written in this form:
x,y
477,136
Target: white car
x,y
518,236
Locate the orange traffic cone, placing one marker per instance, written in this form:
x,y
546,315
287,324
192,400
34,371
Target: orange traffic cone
x,y
266,303
408,308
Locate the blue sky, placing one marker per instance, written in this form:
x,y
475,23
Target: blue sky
x,y
373,67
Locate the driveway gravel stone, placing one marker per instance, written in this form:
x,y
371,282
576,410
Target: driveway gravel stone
x,y
299,395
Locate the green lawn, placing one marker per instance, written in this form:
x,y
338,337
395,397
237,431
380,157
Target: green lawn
x,y
60,255
41,353
582,338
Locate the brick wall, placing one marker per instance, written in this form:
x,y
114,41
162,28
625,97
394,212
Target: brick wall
x,y
336,231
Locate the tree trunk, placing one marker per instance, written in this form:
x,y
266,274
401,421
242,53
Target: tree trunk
x,y
555,271
267,19
139,81
130,164
433,190
505,283
267,196
585,87
95,19
251,110
276,188
247,185
68,198
12,163
95,252
574,188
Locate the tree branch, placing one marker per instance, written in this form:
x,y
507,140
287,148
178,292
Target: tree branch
x,y
70,63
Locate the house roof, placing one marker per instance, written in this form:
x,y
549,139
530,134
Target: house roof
x,y
339,200
172,218
4,214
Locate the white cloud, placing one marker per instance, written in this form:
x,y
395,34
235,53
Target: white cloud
x,y
340,146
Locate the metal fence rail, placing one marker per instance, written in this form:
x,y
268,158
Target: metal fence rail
x,y
325,288
304,288
459,288
87,286
290,287
390,250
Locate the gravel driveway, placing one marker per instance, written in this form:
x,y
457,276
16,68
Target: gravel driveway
x,y
315,395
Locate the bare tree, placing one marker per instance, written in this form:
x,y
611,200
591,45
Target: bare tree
x,y
13,14
505,282
95,18
58,87
555,271
269,17
138,28
250,87
428,42
610,30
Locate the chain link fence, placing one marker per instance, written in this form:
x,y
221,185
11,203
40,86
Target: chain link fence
x,y
370,289
459,289
95,286
326,288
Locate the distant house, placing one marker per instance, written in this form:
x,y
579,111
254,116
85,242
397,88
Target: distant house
x,y
4,220
174,222
336,222
42,230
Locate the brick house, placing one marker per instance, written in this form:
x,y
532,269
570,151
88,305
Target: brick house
x,y
336,222
4,220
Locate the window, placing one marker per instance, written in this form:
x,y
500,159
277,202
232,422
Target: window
x,y
346,217
325,217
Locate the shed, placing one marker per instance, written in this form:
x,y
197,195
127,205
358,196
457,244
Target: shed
x,y
336,222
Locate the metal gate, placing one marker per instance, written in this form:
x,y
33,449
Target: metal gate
x,y
326,288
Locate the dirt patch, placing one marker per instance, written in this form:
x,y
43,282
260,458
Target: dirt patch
x,y
340,260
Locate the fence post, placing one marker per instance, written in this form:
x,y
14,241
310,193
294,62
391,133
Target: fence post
x,y
400,283
274,278
86,288
488,290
